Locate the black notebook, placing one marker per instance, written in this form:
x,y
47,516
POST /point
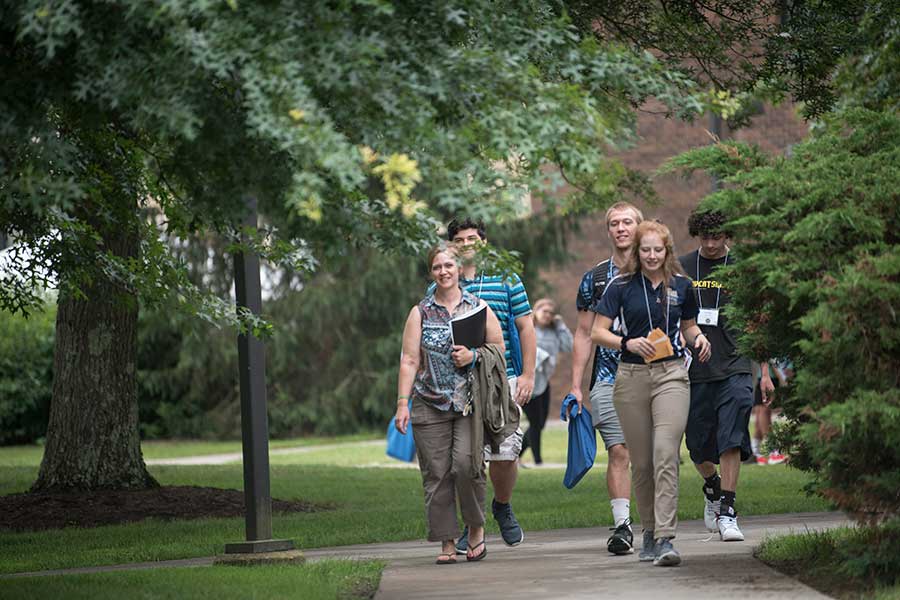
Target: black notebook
x,y
470,329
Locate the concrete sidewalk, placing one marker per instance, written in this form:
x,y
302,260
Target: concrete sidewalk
x,y
574,563
569,563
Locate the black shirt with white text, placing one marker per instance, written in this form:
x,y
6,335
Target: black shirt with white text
x,y
725,360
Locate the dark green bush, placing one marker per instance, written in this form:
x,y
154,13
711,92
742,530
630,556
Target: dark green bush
x,y
26,375
187,378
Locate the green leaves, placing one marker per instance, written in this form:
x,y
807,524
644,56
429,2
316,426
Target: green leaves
x,y
210,102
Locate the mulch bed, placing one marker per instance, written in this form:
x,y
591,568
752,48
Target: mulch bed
x,y
34,512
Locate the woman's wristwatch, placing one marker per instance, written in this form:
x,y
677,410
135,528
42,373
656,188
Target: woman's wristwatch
x,y
624,346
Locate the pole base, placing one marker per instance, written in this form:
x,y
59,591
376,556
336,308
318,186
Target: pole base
x,y
259,546
288,557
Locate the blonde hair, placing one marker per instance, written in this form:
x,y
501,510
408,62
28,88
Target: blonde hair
x,y
670,267
624,206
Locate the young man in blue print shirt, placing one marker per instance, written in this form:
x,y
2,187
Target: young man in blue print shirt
x,y
622,220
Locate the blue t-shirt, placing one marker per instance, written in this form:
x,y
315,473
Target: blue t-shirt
x,y
501,293
633,295
606,361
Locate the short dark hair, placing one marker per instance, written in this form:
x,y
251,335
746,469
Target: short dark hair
x,y
458,224
708,222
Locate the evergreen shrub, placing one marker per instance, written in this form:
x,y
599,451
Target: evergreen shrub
x,y
819,282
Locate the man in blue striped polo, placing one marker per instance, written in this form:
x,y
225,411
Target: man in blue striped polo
x,y
507,298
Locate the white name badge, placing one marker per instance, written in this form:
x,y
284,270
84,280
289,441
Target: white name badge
x,y
709,317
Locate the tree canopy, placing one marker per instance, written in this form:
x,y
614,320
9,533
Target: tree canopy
x,y
770,49
329,113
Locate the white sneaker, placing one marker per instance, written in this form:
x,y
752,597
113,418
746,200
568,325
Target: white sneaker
x,y
710,514
729,530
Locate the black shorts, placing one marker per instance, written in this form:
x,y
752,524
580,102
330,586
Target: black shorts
x,y
719,418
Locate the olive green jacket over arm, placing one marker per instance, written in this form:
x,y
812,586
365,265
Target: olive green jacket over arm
x,y
494,409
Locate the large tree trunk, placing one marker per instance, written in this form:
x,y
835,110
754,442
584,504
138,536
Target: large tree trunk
x,y
93,441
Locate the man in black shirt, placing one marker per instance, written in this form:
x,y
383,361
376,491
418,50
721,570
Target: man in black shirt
x,y
721,388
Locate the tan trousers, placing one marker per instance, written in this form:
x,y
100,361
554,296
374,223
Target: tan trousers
x,y
444,448
652,402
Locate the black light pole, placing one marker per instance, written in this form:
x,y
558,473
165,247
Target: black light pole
x,y
254,420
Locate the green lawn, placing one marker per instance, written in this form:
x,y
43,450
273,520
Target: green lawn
x,y
21,456
325,580
372,505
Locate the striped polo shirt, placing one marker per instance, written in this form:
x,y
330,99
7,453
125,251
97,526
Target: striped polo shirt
x,y
501,293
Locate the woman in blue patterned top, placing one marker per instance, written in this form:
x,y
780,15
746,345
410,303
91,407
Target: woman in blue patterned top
x,y
433,374
656,305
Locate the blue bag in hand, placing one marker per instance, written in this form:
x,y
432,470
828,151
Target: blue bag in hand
x,y
582,441
515,344
399,445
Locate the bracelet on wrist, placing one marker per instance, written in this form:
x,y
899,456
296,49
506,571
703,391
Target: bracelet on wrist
x,y
624,344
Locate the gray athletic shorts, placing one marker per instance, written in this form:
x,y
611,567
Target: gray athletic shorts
x,y
606,421
511,447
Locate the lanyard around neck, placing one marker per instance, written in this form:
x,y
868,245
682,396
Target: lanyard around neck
x,y
647,301
719,289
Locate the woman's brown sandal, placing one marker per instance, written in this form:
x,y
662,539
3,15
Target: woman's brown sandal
x,y
476,558
446,558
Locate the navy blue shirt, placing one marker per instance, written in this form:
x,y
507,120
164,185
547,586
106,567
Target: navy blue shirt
x,y
624,296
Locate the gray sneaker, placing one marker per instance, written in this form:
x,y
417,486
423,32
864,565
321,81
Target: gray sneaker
x,y
648,548
666,555
510,530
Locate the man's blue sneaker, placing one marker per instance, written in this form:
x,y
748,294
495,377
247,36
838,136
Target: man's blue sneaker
x,y
648,549
666,554
510,530
462,544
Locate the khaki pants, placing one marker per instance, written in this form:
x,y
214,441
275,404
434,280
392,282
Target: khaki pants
x,y
653,403
444,449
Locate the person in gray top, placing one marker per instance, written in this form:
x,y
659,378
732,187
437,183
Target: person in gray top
x,y
553,337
